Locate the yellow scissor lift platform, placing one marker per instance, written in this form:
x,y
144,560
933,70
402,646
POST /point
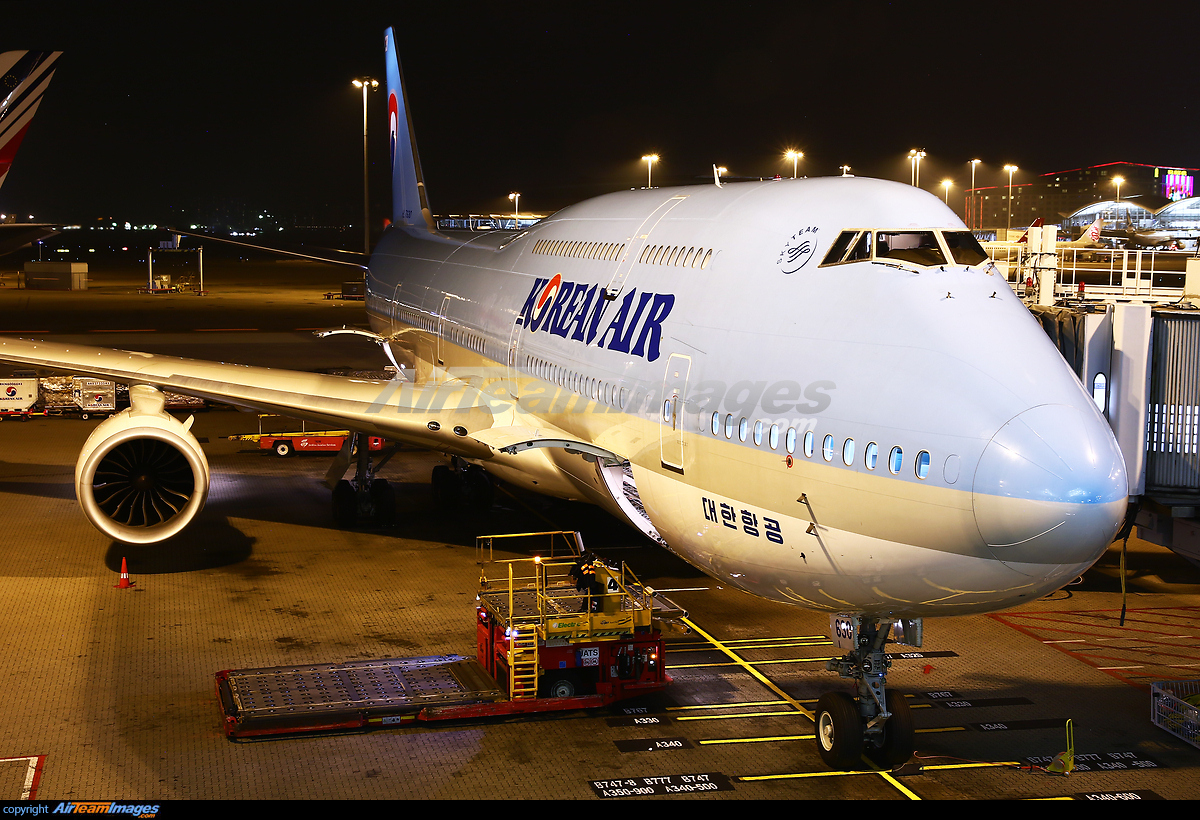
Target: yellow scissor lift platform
x,y
569,625
543,645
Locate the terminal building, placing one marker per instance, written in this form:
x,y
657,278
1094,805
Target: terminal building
x,y
1145,194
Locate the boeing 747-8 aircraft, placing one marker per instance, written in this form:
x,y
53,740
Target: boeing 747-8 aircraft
x,y
818,391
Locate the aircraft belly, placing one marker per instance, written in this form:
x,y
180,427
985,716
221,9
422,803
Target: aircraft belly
x,y
774,555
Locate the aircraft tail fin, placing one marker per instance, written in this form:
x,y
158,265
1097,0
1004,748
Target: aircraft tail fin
x,y
1093,231
410,204
1037,223
24,77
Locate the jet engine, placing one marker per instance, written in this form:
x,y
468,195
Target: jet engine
x,y
142,476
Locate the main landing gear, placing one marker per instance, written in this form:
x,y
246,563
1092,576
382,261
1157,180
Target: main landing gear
x,y
462,486
363,498
878,723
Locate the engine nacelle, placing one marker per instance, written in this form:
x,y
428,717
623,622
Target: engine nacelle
x,y
142,476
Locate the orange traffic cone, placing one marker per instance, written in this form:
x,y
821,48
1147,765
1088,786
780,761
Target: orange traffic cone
x,y
125,582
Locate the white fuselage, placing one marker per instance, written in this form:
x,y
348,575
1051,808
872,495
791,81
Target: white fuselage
x,y
1009,482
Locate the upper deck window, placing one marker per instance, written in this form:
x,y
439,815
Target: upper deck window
x,y
918,247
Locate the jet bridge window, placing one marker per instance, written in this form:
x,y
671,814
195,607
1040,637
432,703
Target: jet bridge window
x,y
965,248
918,247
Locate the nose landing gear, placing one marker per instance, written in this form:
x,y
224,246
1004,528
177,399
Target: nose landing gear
x,y
878,724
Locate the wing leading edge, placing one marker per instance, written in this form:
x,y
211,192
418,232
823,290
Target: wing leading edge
x,y
438,416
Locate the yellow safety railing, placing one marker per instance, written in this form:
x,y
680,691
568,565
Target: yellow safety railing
x,y
561,610
572,543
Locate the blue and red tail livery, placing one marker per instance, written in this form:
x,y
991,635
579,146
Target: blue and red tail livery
x,y
24,76
410,205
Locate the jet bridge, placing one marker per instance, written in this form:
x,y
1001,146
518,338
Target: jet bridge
x,y
1141,363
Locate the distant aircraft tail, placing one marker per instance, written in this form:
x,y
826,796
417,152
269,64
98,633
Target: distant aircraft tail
x,y
1037,223
24,76
1093,231
410,205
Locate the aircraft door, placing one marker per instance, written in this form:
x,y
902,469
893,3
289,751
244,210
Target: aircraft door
x,y
395,328
633,248
441,331
514,344
671,417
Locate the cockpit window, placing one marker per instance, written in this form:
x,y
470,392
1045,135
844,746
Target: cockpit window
x,y
918,247
964,248
862,248
838,249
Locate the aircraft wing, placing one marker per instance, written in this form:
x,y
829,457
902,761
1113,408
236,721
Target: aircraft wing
x,y
334,256
17,235
437,416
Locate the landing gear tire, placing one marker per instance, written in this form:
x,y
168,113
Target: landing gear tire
x,y
383,499
468,488
446,487
478,491
283,449
345,504
896,745
839,731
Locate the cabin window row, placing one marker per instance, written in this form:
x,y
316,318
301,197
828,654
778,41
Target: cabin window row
x,y
679,256
415,319
594,389
465,338
831,448
579,249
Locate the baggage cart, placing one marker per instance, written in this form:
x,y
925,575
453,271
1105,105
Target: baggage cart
x,y
1175,706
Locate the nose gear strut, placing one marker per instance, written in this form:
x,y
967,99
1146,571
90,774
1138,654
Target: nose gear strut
x,y
879,724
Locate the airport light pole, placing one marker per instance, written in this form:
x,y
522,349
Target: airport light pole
x,y
366,83
795,157
1011,170
1116,210
649,159
946,184
914,159
974,206
845,170
515,198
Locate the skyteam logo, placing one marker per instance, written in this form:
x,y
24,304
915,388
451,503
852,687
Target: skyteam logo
x,y
797,250
576,311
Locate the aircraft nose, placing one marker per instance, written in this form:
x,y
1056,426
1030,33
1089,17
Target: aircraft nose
x,y
1050,487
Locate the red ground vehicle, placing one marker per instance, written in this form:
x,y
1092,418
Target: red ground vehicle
x,y
542,645
322,441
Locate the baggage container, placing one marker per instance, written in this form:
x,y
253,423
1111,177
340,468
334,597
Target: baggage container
x,y
18,395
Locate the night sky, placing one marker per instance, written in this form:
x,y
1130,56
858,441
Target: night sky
x,y
179,112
